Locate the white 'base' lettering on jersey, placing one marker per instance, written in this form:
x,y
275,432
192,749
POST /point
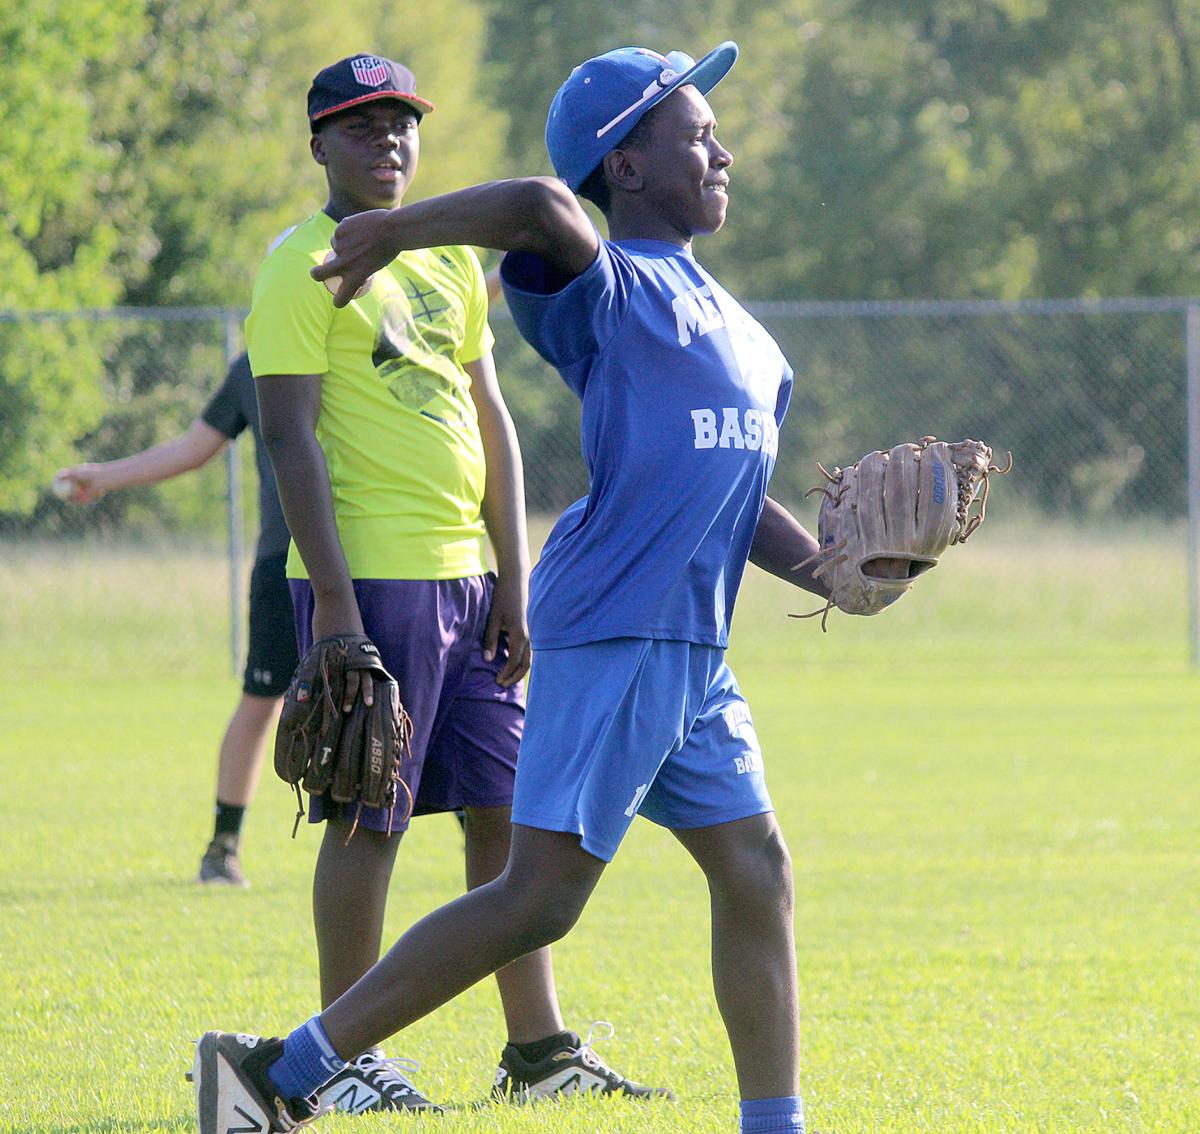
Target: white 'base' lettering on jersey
x,y
731,428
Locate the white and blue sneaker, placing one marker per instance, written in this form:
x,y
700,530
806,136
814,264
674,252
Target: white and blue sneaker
x,y
375,1081
234,1093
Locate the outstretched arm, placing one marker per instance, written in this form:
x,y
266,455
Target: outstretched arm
x,y
780,543
504,518
191,449
531,214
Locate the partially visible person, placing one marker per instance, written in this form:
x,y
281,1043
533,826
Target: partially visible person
x,y
271,657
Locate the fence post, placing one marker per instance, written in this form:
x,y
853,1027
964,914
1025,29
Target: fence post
x,y
233,503
1193,471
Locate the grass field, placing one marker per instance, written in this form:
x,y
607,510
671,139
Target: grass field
x,y
990,794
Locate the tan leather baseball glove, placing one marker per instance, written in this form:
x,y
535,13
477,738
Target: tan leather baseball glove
x,y
887,519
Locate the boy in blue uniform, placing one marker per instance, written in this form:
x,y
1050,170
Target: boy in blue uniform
x,y
632,708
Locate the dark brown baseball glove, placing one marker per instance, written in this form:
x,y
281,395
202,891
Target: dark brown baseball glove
x,y
353,755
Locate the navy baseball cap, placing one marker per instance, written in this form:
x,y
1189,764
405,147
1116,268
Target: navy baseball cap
x,y
605,98
362,78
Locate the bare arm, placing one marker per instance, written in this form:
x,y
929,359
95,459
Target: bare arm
x,y
495,290
780,543
531,214
288,407
504,518
191,449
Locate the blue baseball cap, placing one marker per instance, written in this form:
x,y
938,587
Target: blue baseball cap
x,y
605,98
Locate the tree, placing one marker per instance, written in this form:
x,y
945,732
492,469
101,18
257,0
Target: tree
x,y
151,150
957,149
56,243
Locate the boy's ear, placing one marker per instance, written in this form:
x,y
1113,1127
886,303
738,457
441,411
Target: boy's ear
x,y
621,169
317,145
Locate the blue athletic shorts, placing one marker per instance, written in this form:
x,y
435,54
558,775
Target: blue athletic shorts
x,y
632,726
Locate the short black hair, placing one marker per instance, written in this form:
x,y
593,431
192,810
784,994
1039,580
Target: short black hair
x,y
595,187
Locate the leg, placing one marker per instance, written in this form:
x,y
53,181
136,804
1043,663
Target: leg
x,y
350,887
240,761
527,989
749,875
271,659
238,768
535,901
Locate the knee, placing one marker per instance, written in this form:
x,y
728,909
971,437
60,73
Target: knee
x,y
545,915
761,875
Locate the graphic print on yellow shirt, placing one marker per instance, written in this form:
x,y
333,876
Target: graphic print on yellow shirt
x,y
397,423
415,350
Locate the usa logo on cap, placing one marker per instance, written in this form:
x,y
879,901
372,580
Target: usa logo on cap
x,y
369,70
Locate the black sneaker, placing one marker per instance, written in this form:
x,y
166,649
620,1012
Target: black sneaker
x,y
573,1068
220,866
374,1081
233,1092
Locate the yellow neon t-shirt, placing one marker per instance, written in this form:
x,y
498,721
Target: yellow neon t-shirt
x,y
397,422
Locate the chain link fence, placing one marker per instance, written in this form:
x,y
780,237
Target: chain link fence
x,y
1091,397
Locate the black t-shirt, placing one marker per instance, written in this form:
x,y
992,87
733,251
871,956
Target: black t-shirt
x,y
232,408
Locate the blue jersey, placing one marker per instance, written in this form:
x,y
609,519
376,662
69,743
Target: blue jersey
x,y
683,394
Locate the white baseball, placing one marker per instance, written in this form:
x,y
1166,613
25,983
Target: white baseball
x,y
334,282
63,487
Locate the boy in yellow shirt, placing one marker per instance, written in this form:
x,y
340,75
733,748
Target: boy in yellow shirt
x,y
394,454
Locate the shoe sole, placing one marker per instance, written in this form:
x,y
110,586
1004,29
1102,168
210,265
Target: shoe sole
x,y
204,1077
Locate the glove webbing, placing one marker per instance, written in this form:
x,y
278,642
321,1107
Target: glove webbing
x,y
967,524
406,728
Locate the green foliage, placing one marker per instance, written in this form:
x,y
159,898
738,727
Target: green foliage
x,y
55,243
1006,149
885,149
152,148
1002,150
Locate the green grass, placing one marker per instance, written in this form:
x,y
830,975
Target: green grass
x,y
989,792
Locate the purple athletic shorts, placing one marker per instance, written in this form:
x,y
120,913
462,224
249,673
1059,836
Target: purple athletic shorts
x,y
466,727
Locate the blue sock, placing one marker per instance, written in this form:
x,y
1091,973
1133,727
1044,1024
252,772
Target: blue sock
x,y
307,1062
773,1116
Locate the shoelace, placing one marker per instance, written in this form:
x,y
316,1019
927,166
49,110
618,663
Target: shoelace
x,y
390,1071
589,1055
291,1125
